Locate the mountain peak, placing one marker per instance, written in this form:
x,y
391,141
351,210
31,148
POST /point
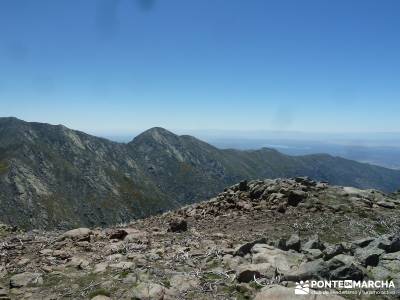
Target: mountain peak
x,y
157,134
158,130
10,120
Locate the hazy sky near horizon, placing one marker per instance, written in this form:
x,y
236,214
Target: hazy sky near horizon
x,y
117,66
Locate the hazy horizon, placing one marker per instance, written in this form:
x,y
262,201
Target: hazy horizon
x,y
377,149
232,133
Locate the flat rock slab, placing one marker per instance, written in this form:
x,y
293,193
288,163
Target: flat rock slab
x,y
25,279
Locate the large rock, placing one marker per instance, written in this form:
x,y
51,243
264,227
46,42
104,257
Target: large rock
x,y
314,243
391,256
293,242
136,236
306,181
246,248
257,191
101,297
148,291
81,263
333,250
281,244
3,293
394,244
78,234
100,267
118,234
388,268
347,272
387,243
352,191
317,269
344,267
178,225
391,262
363,242
243,186
386,204
368,256
295,197
123,265
25,279
283,261
313,254
380,273
183,283
249,272
341,260
233,261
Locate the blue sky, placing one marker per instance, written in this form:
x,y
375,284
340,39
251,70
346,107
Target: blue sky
x,y
118,66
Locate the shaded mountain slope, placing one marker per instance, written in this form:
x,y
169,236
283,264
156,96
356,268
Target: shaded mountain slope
x,y
51,176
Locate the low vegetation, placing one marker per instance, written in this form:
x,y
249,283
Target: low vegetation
x,y
254,239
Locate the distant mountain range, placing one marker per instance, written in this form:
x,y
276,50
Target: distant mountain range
x,y
375,152
52,176
381,149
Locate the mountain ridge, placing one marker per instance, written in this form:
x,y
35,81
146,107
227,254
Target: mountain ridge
x,y
52,176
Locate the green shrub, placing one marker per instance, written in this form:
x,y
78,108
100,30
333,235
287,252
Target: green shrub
x,y
3,167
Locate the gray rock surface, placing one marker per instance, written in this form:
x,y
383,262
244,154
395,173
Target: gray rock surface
x,y
229,250
25,279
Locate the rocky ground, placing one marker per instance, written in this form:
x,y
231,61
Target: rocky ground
x,y
253,241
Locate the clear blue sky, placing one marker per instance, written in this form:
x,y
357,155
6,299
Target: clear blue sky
x,y
120,66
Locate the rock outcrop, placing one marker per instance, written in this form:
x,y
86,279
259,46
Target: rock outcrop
x,y
238,245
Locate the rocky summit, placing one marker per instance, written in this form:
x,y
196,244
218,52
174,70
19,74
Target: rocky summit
x,y
58,178
255,240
